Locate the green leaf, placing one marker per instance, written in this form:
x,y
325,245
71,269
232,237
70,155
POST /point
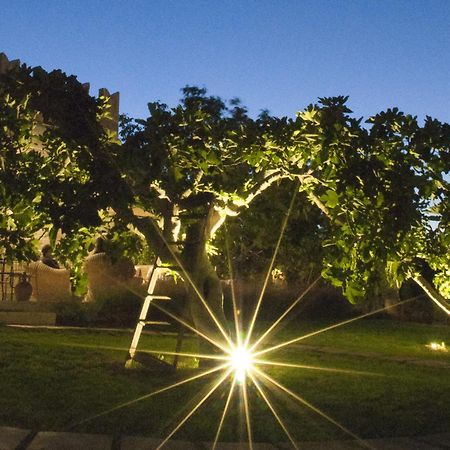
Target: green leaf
x,y
330,198
353,292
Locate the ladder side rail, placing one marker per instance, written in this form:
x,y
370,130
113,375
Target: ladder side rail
x,y
142,321
144,310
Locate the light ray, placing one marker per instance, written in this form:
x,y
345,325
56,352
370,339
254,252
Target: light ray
x,y
313,408
331,327
151,351
93,347
265,362
192,328
194,286
188,355
225,410
151,394
247,415
272,409
269,270
195,408
231,347
288,310
233,293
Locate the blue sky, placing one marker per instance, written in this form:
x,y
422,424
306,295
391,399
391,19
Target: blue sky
x,y
277,54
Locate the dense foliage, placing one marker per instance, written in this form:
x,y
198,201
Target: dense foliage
x,y
373,197
384,187
56,174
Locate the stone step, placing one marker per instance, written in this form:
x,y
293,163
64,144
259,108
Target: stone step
x,y
10,437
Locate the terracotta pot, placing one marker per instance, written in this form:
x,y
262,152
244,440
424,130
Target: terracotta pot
x,y
23,289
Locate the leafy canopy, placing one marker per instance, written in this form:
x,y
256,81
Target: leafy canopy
x,y
383,185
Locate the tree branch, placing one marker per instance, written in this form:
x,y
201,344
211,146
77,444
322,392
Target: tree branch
x,y
316,200
160,191
433,294
197,178
153,234
270,177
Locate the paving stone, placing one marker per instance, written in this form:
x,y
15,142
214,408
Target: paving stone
x,y
239,446
148,443
10,437
376,444
49,440
401,444
323,445
440,439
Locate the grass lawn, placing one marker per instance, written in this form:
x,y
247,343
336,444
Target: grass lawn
x,y
53,379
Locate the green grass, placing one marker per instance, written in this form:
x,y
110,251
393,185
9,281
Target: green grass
x,y
53,379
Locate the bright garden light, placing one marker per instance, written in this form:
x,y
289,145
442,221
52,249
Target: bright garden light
x,y
241,362
437,347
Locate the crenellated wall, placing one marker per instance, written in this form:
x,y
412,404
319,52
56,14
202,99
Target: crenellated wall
x,y
113,99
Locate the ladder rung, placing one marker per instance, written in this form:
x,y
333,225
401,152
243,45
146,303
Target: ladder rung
x,y
153,322
158,297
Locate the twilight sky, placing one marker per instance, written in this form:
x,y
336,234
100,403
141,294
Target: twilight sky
x,y
274,54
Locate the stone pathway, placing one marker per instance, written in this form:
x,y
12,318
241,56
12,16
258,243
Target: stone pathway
x,y
18,439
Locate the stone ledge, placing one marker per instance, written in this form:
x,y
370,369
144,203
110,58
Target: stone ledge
x,y
27,318
27,306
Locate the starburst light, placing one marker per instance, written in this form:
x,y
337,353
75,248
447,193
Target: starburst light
x,y
241,363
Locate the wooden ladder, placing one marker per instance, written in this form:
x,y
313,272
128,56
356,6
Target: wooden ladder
x,y
142,357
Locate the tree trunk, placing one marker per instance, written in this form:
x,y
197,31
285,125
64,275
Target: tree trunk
x,y
204,290
204,297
